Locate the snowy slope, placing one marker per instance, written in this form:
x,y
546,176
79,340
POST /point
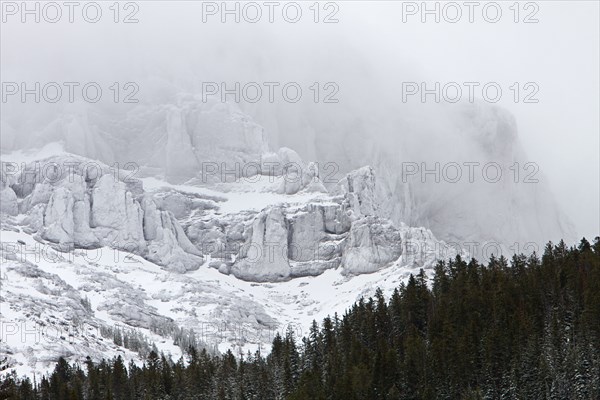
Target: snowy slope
x,y
59,299
223,311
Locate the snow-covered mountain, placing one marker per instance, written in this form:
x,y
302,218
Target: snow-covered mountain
x,y
95,265
215,238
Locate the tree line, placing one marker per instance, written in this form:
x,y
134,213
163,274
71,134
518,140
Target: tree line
x,y
525,328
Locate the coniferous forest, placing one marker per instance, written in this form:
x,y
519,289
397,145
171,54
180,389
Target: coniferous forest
x,y
528,328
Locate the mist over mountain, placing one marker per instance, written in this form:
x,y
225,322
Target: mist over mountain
x,y
235,180
169,131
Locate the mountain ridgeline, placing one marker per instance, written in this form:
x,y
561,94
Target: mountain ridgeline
x,y
528,328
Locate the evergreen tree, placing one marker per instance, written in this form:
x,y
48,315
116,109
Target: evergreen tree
x,y
528,328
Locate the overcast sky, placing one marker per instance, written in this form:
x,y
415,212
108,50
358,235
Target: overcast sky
x,y
560,54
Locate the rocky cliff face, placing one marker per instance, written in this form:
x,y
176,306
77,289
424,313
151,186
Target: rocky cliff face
x,y
88,208
212,143
84,207
343,230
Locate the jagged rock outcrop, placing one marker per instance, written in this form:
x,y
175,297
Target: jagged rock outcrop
x,y
371,245
221,238
358,187
296,174
264,255
95,208
181,205
86,209
167,240
114,214
8,200
315,233
283,242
